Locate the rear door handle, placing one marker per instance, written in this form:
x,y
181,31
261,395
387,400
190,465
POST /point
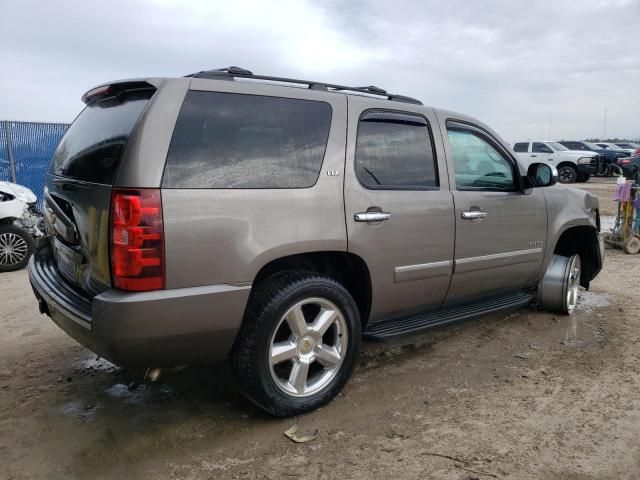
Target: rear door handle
x,y
371,216
534,155
474,215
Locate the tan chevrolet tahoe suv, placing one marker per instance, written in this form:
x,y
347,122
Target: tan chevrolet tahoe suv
x,y
278,222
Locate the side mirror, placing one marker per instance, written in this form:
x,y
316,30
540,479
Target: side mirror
x,y
541,175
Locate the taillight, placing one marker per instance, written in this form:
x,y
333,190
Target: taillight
x,y
624,160
137,257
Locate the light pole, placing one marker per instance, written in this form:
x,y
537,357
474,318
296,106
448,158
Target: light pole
x,y
604,128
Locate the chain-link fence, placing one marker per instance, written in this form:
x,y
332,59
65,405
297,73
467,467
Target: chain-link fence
x,y
25,151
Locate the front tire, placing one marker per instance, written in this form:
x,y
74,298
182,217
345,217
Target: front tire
x,y
298,343
16,247
558,291
567,174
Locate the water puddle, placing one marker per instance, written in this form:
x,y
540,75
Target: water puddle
x,y
82,411
590,301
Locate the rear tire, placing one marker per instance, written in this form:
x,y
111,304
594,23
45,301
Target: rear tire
x,y
567,174
298,343
16,247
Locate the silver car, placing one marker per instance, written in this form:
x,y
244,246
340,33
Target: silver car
x,y
277,222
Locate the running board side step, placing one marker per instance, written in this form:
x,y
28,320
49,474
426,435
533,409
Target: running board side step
x,y
388,330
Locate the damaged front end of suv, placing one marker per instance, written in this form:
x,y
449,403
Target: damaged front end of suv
x,y
20,225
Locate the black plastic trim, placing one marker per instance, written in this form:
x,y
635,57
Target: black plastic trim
x,y
398,327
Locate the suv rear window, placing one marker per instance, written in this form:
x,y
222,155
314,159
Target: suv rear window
x,y
229,140
93,146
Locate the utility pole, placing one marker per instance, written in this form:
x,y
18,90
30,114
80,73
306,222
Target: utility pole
x,y
604,128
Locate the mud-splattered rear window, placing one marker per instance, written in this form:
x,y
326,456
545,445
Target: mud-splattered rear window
x,y
226,140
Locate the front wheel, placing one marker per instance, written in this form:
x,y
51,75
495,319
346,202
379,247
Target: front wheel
x,y
16,246
298,344
558,291
567,174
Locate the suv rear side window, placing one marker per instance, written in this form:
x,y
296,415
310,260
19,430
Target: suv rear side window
x,y
521,147
394,151
539,147
228,140
93,146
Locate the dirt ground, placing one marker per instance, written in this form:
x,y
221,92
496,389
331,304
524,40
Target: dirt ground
x,y
523,395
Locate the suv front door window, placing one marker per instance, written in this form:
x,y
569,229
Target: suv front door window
x,y
477,164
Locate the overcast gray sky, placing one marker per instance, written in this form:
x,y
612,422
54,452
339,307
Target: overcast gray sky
x,y
513,64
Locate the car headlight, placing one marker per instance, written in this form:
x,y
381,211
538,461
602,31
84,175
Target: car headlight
x,y
584,160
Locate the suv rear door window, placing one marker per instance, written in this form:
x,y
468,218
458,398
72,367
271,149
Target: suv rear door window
x,y
521,147
93,146
539,147
394,151
227,140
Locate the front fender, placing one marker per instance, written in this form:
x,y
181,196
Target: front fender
x,y
567,207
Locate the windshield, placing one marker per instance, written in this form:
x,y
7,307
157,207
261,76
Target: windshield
x,y
625,145
92,147
592,146
557,146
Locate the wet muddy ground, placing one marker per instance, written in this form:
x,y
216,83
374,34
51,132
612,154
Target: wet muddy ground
x,y
522,395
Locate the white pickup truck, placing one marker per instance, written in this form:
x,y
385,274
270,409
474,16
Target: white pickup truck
x,y
572,165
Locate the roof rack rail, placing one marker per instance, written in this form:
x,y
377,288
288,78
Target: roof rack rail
x,y
231,72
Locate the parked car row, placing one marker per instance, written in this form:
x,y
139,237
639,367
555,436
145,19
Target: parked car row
x,y
629,147
573,165
611,155
576,161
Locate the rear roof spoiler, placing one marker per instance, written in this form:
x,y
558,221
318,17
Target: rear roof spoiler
x,y
112,89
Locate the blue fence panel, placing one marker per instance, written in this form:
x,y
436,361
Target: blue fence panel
x,y
5,172
32,145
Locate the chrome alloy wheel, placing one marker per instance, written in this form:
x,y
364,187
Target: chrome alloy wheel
x,y
572,284
13,249
308,347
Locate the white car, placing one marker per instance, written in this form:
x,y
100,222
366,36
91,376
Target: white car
x,y
19,226
572,165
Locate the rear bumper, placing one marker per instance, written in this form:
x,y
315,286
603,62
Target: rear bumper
x,y
159,328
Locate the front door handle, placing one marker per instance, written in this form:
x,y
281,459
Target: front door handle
x,y
534,155
474,215
371,216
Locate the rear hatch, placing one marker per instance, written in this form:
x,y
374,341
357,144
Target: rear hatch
x,y
78,187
